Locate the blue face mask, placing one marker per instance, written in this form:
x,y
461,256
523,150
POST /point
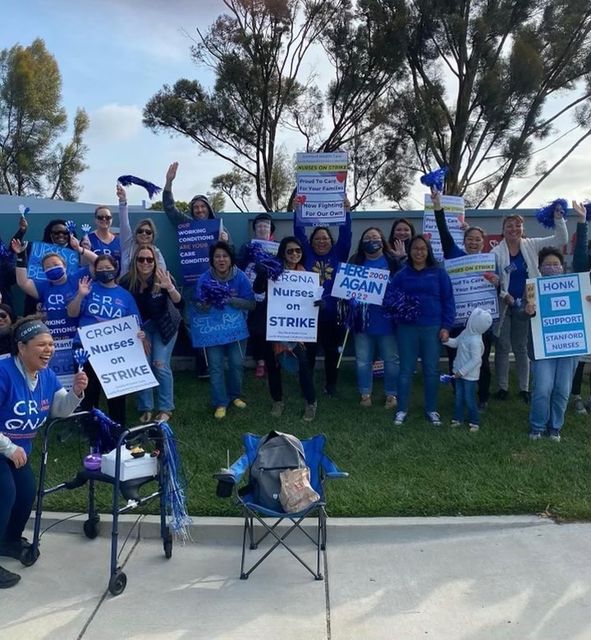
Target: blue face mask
x,y
105,276
55,273
372,246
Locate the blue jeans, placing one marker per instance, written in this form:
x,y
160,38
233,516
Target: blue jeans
x,y
159,360
552,379
465,397
415,340
222,394
365,351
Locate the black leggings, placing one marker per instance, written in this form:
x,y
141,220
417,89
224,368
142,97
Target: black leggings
x,y
17,494
330,338
578,379
304,373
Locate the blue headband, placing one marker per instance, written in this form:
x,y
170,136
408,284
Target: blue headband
x,y
29,330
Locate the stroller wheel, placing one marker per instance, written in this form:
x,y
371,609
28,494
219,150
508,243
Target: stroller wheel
x,y
91,527
117,583
29,556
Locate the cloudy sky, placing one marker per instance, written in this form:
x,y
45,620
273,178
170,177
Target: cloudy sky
x,y
114,55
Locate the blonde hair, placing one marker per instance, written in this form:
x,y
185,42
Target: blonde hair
x,y
132,278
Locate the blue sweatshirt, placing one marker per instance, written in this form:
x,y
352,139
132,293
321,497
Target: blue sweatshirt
x,y
432,287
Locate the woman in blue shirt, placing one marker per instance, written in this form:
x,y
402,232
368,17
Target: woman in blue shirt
x,y
29,393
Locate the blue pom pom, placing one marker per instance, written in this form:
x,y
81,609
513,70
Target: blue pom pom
x,y
151,188
545,215
435,178
214,293
400,306
270,263
445,378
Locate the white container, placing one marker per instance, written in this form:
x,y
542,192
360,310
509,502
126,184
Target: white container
x,y
131,467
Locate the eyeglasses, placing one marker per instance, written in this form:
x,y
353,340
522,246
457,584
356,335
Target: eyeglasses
x,y
290,251
60,233
144,232
143,259
104,218
3,316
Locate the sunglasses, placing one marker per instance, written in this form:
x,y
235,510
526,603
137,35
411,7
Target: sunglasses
x,y
60,233
290,251
146,259
104,218
3,316
144,232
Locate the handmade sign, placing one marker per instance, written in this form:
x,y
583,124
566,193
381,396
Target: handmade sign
x,y
40,249
291,313
321,188
562,324
470,279
217,326
117,356
363,283
454,216
195,238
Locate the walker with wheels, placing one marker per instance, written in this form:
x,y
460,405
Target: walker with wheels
x,y
90,424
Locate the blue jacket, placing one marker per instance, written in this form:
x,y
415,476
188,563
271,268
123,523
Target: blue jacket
x,y
432,287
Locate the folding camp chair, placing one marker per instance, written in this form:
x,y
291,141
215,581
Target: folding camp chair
x,y
321,468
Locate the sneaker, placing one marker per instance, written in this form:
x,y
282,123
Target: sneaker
x,y
502,394
399,418
535,435
277,409
473,427
7,578
220,413
260,371
309,412
239,404
554,435
146,417
391,402
524,395
434,418
579,406
365,401
455,423
14,549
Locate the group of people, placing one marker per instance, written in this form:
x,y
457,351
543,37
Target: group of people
x,y
126,274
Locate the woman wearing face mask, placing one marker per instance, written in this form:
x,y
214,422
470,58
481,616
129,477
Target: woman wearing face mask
x,y
551,377
423,280
474,238
143,235
99,300
517,260
29,394
226,392
322,256
156,295
401,233
377,332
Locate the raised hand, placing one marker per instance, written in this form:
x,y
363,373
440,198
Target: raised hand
x,y
121,193
579,209
84,286
171,172
399,250
436,199
17,246
164,279
74,244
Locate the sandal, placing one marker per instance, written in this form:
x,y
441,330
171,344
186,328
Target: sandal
x,y
163,416
146,417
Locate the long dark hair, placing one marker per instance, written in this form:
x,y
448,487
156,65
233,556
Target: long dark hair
x,y
49,226
317,229
431,262
359,257
283,247
408,223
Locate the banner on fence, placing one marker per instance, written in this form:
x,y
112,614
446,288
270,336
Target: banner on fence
x,y
40,249
291,313
562,324
321,186
471,288
195,238
454,216
363,283
117,356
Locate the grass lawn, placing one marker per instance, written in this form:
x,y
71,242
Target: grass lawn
x,y
416,470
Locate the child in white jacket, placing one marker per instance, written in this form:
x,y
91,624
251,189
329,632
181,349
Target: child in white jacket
x,y
466,367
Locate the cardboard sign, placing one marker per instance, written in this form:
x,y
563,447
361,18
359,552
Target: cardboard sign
x,y
40,249
117,356
291,314
454,217
363,283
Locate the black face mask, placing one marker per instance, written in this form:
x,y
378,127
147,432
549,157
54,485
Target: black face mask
x,y
105,276
372,246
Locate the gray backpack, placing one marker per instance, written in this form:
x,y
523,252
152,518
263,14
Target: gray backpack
x,y
277,452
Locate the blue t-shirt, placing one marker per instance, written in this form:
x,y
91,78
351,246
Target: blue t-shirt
x,y
112,248
107,303
378,324
22,411
55,298
517,275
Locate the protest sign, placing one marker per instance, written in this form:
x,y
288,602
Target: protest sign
x,y
291,314
363,283
117,356
562,324
195,238
454,216
63,330
40,249
267,245
471,288
217,326
321,186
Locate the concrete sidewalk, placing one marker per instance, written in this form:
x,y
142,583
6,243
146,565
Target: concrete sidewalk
x,y
407,578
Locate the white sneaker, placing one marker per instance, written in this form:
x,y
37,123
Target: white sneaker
x,y
434,418
399,418
473,427
455,423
